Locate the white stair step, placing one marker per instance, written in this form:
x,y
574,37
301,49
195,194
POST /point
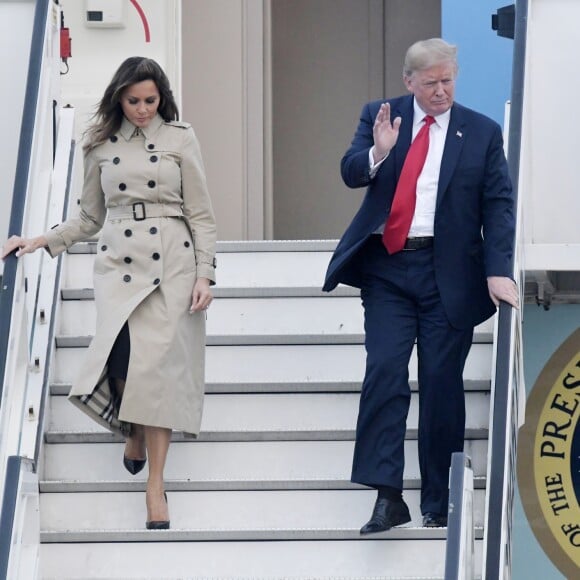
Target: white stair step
x,y
222,466
296,560
235,270
249,317
248,320
265,416
224,515
284,363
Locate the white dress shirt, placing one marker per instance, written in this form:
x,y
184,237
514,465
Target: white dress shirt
x,y
424,216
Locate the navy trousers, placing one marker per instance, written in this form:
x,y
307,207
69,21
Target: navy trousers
x,y
402,305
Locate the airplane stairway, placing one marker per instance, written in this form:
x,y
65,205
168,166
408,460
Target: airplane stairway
x,y
264,493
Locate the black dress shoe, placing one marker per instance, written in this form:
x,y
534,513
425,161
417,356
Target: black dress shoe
x,y
432,520
386,515
158,524
134,466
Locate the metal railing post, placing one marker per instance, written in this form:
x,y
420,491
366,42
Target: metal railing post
x,y
460,547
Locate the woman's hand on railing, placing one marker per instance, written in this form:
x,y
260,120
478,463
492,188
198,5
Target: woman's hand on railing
x,y
23,245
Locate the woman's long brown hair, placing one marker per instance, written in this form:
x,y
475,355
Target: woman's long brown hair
x,y
109,114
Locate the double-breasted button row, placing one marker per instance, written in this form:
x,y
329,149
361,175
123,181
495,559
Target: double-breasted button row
x,y
153,159
152,230
151,184
129,260
127,278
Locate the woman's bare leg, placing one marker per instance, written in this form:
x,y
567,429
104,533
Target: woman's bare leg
x,y
135,444
157,441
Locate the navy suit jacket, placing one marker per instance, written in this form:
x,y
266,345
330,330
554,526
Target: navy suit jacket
x,y
474,216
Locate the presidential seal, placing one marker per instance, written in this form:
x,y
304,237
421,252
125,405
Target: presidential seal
x,y
549,458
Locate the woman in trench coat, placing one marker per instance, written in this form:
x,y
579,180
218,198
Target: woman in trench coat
x,y
145,191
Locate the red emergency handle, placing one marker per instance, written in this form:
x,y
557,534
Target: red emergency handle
x,y
65,44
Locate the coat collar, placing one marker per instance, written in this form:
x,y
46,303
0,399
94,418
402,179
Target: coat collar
x,y
128,129
404,110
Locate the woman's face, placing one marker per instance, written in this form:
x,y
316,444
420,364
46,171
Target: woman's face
x,y
140,102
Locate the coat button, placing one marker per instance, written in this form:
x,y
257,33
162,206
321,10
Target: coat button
x,y
116,160
104,248
150,146
122,186
156,281
151,184
186,244
156,256
153,230
153,158
113,138
127,260
128,233
127,278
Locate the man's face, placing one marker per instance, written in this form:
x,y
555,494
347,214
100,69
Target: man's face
x,y
433,87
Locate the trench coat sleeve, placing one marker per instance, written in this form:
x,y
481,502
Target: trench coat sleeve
x,y
91,215
197,208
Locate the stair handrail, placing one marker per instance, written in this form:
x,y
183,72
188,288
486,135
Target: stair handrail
x,y
460,545
508,387
21,493
16,559
14,294
25,345
20,188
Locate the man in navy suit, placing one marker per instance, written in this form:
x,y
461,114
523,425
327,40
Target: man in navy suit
x,y
452,272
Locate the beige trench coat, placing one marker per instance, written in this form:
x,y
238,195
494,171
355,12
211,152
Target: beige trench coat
x,y
145,190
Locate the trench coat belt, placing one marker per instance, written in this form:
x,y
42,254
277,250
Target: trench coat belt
x,y
140,210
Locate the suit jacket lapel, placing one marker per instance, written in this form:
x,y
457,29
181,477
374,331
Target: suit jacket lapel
x,y
457,132
405,111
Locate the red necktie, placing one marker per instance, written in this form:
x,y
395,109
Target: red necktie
x,y
403,207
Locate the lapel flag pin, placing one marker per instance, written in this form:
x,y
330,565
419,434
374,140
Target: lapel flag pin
x,y
459,134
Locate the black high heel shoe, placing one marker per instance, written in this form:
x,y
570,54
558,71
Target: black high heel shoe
x,y
134,466
159,524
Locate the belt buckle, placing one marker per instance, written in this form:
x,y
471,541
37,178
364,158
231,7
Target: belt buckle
x,y
144,216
